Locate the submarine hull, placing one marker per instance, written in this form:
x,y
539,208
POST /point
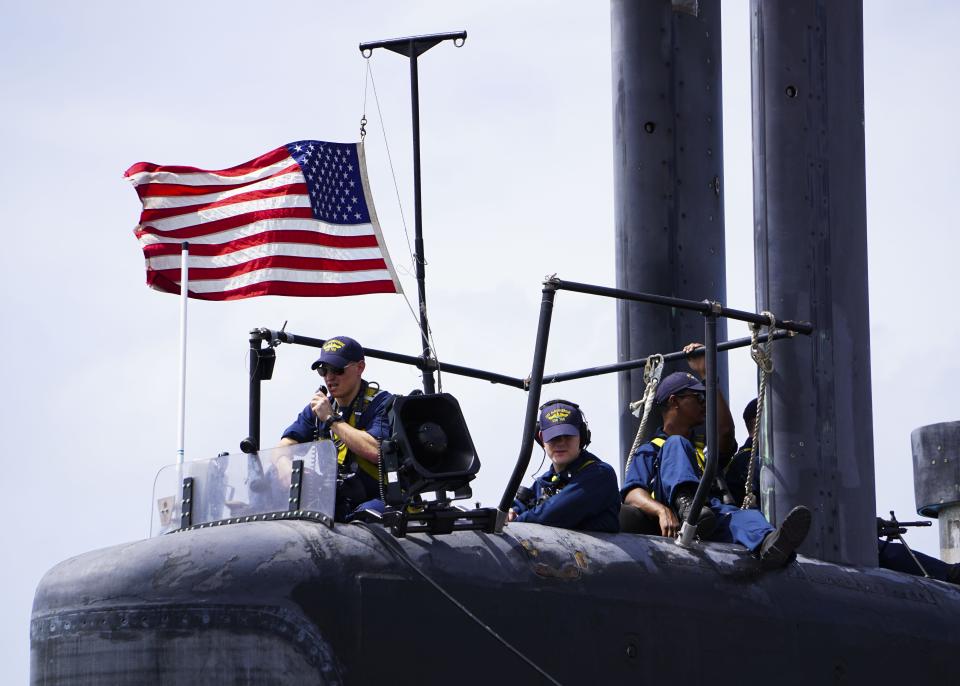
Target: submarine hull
x,y
270,602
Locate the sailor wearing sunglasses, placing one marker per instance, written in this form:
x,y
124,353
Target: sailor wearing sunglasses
x,y
663,475
353,413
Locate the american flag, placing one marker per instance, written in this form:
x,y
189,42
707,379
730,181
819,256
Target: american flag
x,y
298,220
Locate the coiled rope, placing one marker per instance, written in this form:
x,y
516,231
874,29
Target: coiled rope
x,y
762,354
652,372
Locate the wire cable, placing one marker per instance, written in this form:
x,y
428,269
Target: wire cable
x,y
401,554
431,343
386,144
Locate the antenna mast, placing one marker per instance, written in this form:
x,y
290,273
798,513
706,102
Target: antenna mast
x,y
412,47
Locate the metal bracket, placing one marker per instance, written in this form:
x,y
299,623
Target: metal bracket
x,y
186,503
499,522
413,46
389,458
296,486
438,521
688,533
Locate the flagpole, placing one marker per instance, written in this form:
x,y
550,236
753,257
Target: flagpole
x,y
182,400
412,47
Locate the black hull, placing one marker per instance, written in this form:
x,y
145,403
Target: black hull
x,y
274,602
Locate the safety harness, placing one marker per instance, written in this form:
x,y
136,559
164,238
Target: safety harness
x,y
558,481
657,442
352,414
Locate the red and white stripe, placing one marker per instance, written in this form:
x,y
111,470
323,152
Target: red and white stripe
x,y
252,232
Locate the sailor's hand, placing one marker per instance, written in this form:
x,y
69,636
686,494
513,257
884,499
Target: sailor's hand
x,y
669,525
321,407
697,364
511,514
284,470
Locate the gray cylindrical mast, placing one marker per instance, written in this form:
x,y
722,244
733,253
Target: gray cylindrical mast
x,y
811,264
936,481
668,170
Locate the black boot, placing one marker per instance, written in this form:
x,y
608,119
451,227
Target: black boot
x,y
778,546
682,502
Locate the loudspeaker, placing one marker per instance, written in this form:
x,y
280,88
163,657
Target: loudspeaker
x,y
430,448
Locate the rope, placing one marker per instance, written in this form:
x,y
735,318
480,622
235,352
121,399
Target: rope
x,y
396,186
401,554
652,372
762,354
363,116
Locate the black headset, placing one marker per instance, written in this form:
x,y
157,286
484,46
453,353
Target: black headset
x,y
584,427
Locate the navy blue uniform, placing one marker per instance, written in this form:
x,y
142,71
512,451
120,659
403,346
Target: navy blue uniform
x,y
368,412
736,474
660,470
585,497
893,555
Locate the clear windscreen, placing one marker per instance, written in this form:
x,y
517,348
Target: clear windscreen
x,y
240,486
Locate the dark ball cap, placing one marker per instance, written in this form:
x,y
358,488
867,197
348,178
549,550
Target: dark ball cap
x,y
750,413
560,419
676,382
339,352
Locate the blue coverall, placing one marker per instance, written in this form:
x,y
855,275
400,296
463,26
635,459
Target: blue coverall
x,y
361,490
585,497
660,472
736,473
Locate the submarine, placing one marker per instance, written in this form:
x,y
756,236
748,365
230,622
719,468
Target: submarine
x,y
229,594
238,590
235,592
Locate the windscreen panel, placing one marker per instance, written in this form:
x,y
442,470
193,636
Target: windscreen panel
x,y
229,487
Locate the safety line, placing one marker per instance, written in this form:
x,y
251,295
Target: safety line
x,y
398,550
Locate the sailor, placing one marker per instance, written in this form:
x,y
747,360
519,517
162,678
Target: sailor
x,y
737,470
665,472
354,416
579,490
891,554
895,556
642,513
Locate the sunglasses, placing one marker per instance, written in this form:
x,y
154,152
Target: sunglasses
x,y
325,369
701,397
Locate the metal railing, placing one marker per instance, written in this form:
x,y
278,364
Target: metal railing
x,y
710,311
262,360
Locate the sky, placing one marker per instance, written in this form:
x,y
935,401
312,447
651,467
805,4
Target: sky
x,y
517,183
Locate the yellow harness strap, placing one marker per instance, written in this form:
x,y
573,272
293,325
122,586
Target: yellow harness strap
x,y
556,477
370,468
698,446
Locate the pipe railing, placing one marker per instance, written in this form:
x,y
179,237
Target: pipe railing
x,y
638,363
534,383
701,306
711,311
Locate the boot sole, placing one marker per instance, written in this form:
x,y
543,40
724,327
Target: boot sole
x,y
786,539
